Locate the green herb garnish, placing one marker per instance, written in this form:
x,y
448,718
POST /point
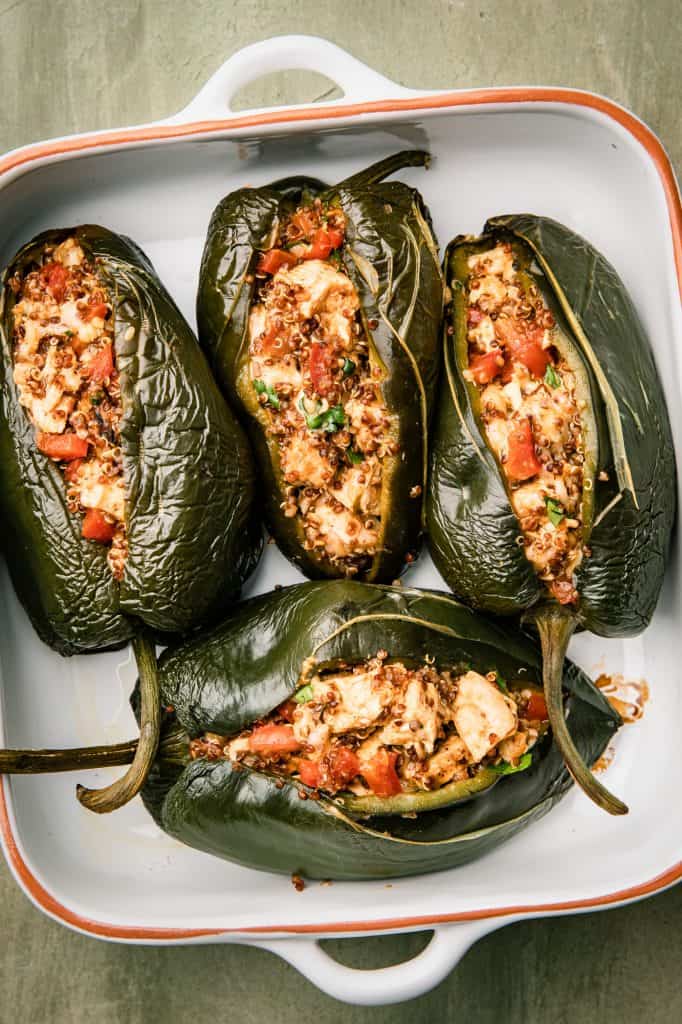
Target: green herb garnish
x,y
261,388
97,398
501,681
303,695
348,367
555,511
552,378
329,421
355,458
69,333
506,768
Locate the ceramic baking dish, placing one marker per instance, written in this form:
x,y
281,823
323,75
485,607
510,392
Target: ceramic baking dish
x,y
570,155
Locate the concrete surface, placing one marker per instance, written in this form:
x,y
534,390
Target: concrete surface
x,y
73,65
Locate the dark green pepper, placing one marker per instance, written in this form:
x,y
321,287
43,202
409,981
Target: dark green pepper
x,y
390,257
189,488
629,491
240,671
187,470
243,669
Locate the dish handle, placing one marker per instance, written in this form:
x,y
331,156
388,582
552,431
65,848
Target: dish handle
x,y
287,53
385,985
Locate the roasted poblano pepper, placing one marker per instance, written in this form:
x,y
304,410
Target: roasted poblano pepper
x,y
619,440
268,651
377,236
186,467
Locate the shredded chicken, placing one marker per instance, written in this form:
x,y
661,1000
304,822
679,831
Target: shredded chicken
x,y
66,377
384,728
310,368
530,411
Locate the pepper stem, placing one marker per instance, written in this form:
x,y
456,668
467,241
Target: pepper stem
x,y
43,762
173,749
380,170
555,626
120,792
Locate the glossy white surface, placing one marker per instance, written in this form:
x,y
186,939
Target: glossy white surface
x,y
565,162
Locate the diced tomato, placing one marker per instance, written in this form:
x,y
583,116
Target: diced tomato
x,y
532,355
563,591
522,462
322,361
306,221
536,709
269,262
71,471
273,739
286,710
324,240
486,367
53,276
95,527
64,447
101,365
335,236
310,774
342,766
95,309
274,342
524,344
380,774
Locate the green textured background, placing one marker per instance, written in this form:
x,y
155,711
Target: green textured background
x,y
74,65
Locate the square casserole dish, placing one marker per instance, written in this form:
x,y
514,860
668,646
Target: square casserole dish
x,y
569,155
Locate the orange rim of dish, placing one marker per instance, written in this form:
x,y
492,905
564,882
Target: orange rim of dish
x,y
443,101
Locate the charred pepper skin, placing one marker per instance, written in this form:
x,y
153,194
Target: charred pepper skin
x,y
629,507
239,671
390,257
473,530
191,538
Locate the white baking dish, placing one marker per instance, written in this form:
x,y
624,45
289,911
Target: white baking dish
x,y
570,155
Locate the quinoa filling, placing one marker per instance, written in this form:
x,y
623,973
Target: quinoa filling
x,y
310,368
380,728
530,412
66,377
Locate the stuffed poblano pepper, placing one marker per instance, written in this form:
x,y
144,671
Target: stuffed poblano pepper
x,y
347,731
552,488
320,307
125,482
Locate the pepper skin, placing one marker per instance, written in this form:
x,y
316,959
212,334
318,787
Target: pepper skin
x,y
390,257
238,672
629,504
187,469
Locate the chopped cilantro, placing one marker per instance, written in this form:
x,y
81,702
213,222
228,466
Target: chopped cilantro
x,y
330,420
355,458
96,398
506,768
303,695
348,367
555,511
552,378
261,388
